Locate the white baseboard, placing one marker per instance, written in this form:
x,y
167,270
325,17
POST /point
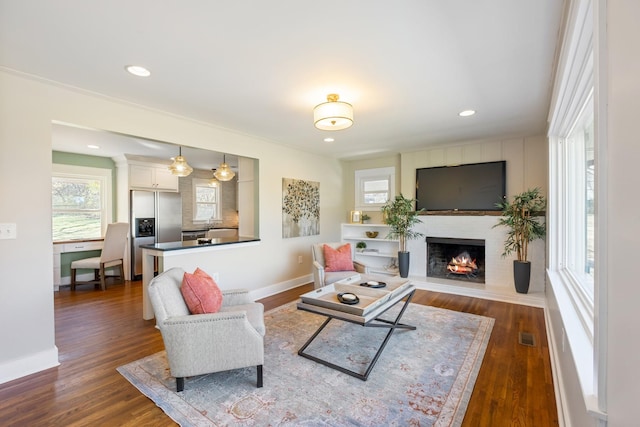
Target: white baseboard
x,y
558,384
281,287
28,365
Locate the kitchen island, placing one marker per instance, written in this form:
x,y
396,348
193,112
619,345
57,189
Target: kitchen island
x,y
173,254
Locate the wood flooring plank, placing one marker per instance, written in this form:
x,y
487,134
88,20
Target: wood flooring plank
x,y
98,331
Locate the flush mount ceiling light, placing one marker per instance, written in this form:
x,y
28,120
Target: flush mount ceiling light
x,y
224,172
137,70
180,167
466,113
333,114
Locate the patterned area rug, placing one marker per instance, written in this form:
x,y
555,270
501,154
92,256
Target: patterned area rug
x,y
423,378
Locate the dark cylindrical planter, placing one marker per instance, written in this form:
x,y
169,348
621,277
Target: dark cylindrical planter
x,y
403,264
521,275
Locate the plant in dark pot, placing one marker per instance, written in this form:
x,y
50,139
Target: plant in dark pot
x,y
400,216
522,217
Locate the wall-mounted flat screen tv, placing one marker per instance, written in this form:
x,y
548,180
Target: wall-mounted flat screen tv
x,y
470,187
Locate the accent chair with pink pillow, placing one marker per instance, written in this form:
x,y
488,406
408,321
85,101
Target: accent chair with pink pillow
x,y
336,266
197,344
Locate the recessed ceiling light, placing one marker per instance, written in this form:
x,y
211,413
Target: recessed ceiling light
x,y
329,140
138,70
466,113
95,147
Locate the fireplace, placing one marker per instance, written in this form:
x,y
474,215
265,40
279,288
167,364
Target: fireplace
x,y
456,259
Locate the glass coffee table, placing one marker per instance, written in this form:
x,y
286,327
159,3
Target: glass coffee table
x,y
335,301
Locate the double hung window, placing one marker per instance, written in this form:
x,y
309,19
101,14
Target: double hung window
x,y
81,202
206,200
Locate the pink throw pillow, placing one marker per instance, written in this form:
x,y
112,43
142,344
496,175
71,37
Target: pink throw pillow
x,y
338,260
201,293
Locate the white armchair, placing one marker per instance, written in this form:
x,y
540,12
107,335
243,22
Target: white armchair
x,y
199,344
320,276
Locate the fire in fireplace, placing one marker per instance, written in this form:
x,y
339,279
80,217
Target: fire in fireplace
x,y
456,259
463,264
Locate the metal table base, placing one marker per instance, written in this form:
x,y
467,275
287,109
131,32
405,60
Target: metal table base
x,y
392,325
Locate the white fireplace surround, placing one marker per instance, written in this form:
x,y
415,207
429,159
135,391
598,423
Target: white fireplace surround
x,y
499,271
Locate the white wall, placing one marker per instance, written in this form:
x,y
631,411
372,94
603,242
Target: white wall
x,y
26,264
622,289
527,161
27,109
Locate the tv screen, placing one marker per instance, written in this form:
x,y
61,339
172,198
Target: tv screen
x,y
470,187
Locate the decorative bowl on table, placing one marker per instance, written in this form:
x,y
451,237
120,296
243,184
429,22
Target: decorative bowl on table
x,y
371,234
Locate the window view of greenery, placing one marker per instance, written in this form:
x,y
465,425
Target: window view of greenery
x,y
77,208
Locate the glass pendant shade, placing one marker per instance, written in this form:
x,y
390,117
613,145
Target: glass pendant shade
x,y
180,167
224,172
333,114
213,181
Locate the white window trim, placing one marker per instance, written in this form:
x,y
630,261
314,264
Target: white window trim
x,y
583,322
198,182
86,172
388,173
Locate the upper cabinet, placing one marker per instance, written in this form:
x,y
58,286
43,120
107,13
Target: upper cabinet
x,y
152,177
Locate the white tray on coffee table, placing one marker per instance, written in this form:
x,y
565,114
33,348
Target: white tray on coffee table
x,y
372,302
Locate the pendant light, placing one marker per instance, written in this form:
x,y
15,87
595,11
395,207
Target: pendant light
x,y
333,114
213,181
224,172
180,167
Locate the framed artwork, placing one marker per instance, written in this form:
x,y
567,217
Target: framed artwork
x,y
300,208
356,217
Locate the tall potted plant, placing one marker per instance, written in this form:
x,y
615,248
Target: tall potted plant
x,y
520,216
400,216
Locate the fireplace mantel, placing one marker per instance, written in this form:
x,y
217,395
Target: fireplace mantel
x,y
460,213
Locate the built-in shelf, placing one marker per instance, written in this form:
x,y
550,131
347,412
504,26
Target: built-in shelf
x,y
380,261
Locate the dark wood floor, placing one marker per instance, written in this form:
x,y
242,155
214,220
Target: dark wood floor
x,y
98,331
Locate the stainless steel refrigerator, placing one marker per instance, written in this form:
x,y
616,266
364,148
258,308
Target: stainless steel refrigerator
x,y
156,217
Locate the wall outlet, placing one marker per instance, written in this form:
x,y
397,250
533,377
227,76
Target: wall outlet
x,y
216,277
299,259
8,231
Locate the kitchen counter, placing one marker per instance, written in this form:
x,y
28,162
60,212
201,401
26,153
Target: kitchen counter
x,y
176,254
193,244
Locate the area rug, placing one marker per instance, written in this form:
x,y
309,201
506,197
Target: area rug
x,y
423,378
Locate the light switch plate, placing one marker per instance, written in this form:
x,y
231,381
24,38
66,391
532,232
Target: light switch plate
x,y
8,230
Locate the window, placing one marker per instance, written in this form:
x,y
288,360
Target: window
x,y
574,179
580,167
206,200
374,187
81,202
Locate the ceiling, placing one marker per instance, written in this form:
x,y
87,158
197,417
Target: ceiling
x,y
408,67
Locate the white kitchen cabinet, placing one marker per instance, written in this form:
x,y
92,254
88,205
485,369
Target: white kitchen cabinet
x,y
380,255
152,177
